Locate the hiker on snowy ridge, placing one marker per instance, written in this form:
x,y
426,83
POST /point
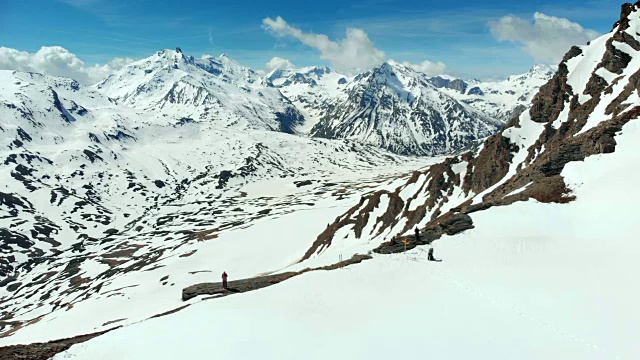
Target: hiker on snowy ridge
x,y
430,255
224,279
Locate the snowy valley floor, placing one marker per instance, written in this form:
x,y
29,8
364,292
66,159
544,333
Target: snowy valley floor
x,y
531,281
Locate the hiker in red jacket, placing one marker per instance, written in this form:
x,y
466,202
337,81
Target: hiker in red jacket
x,y
224,279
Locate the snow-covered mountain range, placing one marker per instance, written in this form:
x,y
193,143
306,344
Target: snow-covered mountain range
x,y
545,269
79,166
372,108
90,169
116,197
498,99
312,89
208,89
404,111
396,108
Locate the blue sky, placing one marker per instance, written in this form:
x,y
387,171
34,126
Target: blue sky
x,y
454,32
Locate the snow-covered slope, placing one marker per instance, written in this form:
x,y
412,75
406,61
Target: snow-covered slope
x,y
87,182
532,281
544,269
499,99
396,108
215,90
547,270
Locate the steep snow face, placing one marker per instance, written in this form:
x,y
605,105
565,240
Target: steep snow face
x,y
311,89
92,190
396,108
501,99
215,90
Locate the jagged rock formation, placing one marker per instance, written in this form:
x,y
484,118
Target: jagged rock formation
x,y
458,85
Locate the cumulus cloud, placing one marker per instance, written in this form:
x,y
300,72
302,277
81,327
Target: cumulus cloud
x,y
545,39
428,67
353,53
58,61
278,63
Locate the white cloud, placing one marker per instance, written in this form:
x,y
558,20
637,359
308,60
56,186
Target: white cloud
x,y
278,63
428,67
353,53
58,61
547,39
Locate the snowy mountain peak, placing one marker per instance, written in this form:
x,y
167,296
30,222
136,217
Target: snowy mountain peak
x,y
392,66
387,68
217,90
280,75
541,69
230,62
396,108
174,56
537,72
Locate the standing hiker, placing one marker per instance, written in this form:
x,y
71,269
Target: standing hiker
x,y
224,279
430,256
417,235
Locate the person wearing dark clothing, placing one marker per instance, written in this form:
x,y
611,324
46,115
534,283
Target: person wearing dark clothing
x,y
224,279
417,234
430,256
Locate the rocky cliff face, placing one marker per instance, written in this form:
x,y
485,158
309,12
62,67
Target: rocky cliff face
x,y
458,85
576,114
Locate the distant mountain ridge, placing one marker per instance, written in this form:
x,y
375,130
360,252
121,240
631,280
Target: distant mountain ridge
x,y
320,92
209,89
321,102
398,109
497,99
